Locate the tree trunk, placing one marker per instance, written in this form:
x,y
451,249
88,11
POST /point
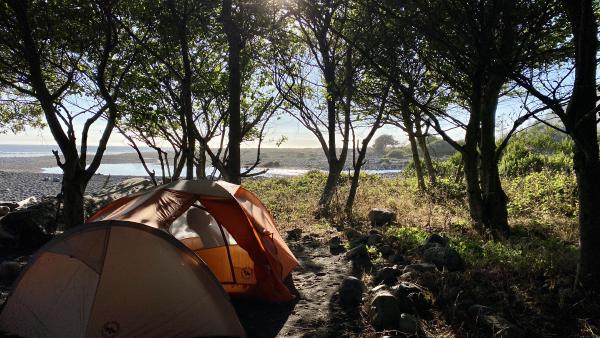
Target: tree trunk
x,y
470,161
421,139
581,124
73,188
494,199
234,41
333,177
408,125
201,162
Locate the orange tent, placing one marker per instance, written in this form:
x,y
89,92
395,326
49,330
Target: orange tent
x,y
225,224
118,279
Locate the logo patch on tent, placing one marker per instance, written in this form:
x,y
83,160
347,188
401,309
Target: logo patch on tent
x,y
247,273
110,329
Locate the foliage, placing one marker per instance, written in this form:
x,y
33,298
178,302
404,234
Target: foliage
x,y
382,142
536,150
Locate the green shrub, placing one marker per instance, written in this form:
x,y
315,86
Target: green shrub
x,y
547,191
395,153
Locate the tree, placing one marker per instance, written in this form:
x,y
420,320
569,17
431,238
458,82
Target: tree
x,y
473,49
579,118
382,142
53,71
324,108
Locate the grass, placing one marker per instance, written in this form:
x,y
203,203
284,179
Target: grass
x,y
524,276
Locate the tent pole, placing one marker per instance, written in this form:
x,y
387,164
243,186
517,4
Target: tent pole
x,y
228,252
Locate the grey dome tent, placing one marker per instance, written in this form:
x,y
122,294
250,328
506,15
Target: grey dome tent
x,y
118,279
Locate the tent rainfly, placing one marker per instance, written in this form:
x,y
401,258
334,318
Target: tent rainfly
x,y
225,224
118,279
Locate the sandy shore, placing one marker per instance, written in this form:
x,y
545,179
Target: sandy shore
x,y
16,186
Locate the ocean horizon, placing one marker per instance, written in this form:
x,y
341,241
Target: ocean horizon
x,y
39,150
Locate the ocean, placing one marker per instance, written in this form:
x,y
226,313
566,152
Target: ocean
x,y
37,150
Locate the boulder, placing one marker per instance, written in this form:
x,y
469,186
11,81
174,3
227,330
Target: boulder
x,y
9,270
33,226
351,291
408,323
419,301
396,258
444,257
294,234
388,275
354,236
374,239
29,201
11,205
380,217
335,246
435,238
386,251
358,252
4,210
384,312
420,267
403,289
492,324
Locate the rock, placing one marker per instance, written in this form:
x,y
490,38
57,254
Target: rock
x,y
33,226
374,239
4,210
351,291
11,205
408,323
9,270
419,301
388,275
384,312
403,289
386,251
27,202
378,288
294,235
493,324
380,217
435,238
396,258
354,236
55,179
272,164
444,257
46,179
335,246
420,267
358,252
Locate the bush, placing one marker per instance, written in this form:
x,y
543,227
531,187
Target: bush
x,y
396,153
544,192
536,150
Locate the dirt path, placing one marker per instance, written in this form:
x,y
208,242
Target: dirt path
x,y
315,312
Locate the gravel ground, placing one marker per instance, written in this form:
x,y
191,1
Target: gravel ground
x,y
16,186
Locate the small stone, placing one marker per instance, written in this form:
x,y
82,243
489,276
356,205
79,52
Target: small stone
x,y
27,202
351,291
46,179
378,288
408,323
380,217
388,275
294,235
420,267
55,179
384,312
396,258
444,257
